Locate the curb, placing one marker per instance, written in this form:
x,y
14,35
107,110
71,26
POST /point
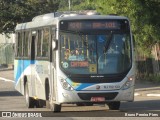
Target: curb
x,y
153,95
147,95
148,92
5,69
146,89
137,94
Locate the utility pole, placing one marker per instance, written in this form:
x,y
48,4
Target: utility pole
x,y
69,3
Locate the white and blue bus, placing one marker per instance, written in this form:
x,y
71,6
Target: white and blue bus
x,y
66,58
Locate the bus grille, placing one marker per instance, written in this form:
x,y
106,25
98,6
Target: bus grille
x,y
87,96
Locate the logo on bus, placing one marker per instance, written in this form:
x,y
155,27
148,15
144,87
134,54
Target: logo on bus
x,y
97,87
112,87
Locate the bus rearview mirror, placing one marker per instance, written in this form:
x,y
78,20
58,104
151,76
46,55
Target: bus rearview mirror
x,y
134,42
54,44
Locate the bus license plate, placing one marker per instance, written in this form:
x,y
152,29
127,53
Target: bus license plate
x,y
97,99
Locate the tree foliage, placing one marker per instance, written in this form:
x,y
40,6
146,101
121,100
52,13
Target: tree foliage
x,y
143,14
17,11
144,17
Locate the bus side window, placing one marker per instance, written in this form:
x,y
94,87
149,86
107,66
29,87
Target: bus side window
x,y
25,44
39,43
45,44
16,45
19,45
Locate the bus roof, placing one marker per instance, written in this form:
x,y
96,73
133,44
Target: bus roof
x,y
53,18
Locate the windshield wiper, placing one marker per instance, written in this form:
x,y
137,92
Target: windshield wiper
x,y
106,46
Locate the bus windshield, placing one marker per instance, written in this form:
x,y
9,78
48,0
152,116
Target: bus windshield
x,y
108,53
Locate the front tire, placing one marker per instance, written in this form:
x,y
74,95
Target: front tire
x,y
114,105
40,103
56,107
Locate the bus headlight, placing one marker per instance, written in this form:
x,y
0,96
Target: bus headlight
x,y
128,83
65,84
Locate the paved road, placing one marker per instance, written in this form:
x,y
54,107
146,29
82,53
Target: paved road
x,y
11,100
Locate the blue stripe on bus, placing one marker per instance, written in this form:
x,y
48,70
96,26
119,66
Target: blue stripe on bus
x,y
83,86
21,66
79,86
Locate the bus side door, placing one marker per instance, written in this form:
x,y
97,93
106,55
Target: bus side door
x,y
52,66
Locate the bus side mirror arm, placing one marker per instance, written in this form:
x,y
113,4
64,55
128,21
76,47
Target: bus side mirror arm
x,y
54,44
134,42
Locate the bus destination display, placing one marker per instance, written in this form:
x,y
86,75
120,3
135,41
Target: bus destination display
x,y
87,25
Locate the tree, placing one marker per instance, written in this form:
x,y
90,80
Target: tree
x,y
144,17
143,14
18,11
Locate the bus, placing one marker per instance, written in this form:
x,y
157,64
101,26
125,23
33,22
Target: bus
x,y
75,58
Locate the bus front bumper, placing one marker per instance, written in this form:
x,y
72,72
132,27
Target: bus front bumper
x,y
85,96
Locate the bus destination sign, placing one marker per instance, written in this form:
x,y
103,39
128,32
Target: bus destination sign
x,y
90,25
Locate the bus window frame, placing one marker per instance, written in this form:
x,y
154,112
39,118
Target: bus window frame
x,y
17,55
18,38
48,41
42,38
24,41
41,35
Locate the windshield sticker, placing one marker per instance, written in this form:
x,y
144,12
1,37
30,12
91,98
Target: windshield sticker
x,y
92,68
123,39
72,58
79,64
65,65
101,38
76,58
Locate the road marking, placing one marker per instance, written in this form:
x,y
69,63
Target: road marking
x,y
7,80
137,94
153,95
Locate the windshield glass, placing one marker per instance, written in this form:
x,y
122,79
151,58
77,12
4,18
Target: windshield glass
x,y
95,54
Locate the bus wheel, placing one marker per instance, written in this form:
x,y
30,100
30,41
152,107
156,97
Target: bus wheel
x,y
48,104
40,103
80,104
30,102
56,107
47,95
89,104
114,105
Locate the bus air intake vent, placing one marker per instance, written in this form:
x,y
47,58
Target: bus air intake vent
x,y
88,96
